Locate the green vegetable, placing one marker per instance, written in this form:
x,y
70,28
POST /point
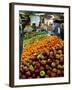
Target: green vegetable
x,y
31,39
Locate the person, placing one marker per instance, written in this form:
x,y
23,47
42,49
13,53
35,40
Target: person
x,y
62,31
28,28
34,27
43,27
56,28
50,29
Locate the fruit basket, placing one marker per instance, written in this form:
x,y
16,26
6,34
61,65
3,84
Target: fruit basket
x,y
43,58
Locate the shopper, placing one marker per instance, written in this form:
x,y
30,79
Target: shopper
x,y
56,27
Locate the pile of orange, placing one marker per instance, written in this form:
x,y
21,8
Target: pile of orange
x,y
45,43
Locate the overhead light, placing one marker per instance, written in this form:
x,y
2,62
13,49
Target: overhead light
x,y
39,14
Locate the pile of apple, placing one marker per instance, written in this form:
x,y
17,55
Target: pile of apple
x,y
46,64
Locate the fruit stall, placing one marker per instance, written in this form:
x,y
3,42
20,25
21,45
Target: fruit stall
x,y
43,58
42,49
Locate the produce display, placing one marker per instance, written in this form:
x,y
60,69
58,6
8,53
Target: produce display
x,y
43,58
